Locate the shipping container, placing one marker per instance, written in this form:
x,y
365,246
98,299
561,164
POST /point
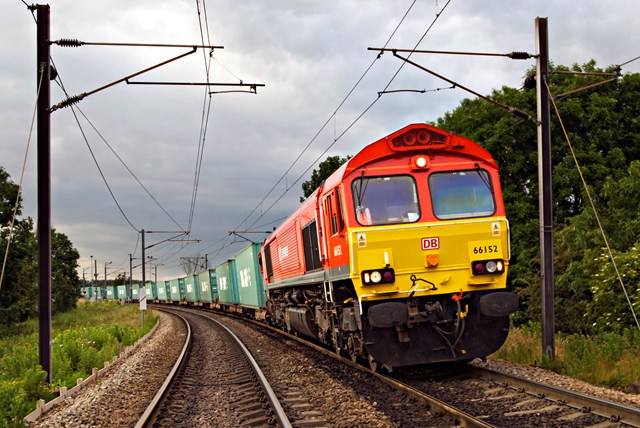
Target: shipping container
x,y
227,283
249,279
163,290
152,291
176,290
123,293
110,292
135,292
208,286
192,290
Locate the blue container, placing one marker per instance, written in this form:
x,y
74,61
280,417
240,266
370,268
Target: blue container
x,y
109,292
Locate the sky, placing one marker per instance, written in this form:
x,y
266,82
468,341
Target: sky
x,y
319,100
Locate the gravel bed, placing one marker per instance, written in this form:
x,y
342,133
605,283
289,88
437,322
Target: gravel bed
x,y
121,396
550,378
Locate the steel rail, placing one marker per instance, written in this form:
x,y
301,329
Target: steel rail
x,y
463,419
608,409
279,413
146,417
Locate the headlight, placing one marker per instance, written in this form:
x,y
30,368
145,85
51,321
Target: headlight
x,y
487,267
378,276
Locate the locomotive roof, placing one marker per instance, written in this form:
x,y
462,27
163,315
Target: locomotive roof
x,y
441,142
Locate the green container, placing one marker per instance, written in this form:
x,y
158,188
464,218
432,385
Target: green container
x,y
110,293
163,291
152,291
135,292
123,292
176,290
208,287
250,285
192,289
227,283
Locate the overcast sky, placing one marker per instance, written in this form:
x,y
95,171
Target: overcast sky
x,y
309,54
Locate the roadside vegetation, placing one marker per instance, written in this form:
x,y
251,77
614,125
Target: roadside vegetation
x,y
607,359
81,340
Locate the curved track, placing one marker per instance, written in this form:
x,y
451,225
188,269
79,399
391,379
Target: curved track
x,y
188,396
473,396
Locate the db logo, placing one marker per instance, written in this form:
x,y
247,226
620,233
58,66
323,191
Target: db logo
x,y
430,243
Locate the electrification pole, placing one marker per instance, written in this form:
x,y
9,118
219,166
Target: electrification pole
x,y
545,189
43,87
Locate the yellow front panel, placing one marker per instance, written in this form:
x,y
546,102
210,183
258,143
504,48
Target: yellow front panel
x,y
439,252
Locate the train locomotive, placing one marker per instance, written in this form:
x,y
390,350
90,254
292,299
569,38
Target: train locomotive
x,y
400,257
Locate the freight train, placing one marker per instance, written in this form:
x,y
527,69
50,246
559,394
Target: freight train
x,y
400,258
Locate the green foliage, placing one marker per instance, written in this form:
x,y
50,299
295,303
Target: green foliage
x,y
19,288
326,168
609,359
82,339
609,310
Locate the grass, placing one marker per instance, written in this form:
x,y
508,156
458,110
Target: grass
x,y
81,340
608,359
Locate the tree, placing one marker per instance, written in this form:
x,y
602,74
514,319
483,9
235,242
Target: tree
x,y
65,283
326,168
8,194
603,128
19,289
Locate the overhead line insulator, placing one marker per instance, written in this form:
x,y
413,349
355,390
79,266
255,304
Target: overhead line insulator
x,y
68,43
520,55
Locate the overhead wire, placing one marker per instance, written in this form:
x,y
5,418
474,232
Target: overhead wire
x,y
206,110
593,206
153,198
60,83
331,117
24,167
356,119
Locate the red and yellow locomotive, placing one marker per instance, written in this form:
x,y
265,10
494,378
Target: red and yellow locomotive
x,y
400,257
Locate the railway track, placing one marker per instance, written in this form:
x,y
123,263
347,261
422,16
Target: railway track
x,y
474,396
318,391
205,389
